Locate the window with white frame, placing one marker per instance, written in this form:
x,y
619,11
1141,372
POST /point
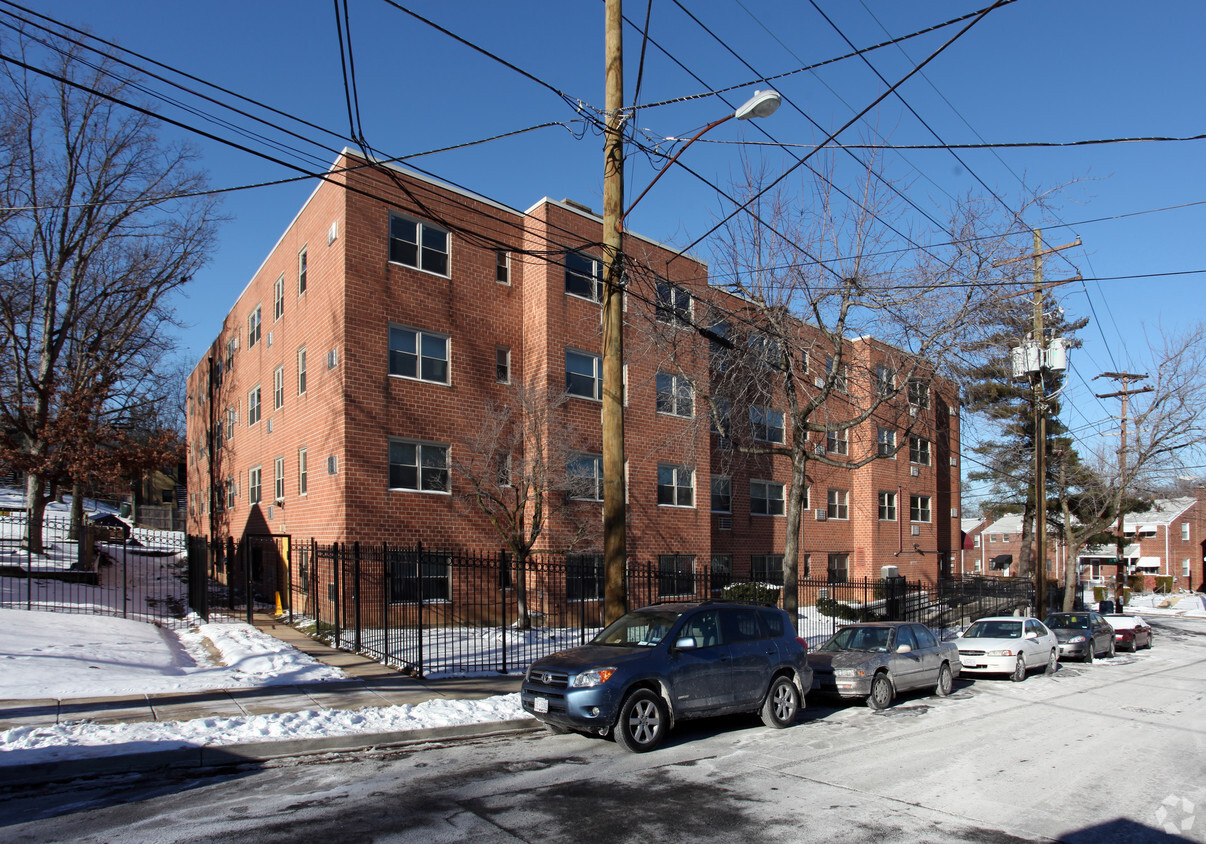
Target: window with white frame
x,y
675,574
767,351
278,479
502,364
1184,531
418,355
418,245
502,266
278,298
722,494
253,327
278,387
839,504
976,541
839,568
766,568
584,474
675,395
303,268
919,393
584,276
1185,564
886,439
887,506
885,379
675,485
673,304
720,344
766,424
253,484
837,442
301,370
502,464
919,450
418,466
253,406
720,409
766,498
583,374
232,493
232,343
919,508
303,473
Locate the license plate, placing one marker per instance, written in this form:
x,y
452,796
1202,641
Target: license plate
x,y
540,704
973,665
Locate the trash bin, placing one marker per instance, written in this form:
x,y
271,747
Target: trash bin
x,y
1105,607
124,510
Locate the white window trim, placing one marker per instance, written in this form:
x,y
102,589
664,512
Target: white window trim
x,y
678,469
768,485
420,445
597,378
421,333
418,266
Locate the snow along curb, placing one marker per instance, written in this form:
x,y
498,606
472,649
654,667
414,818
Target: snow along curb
x,y
183,758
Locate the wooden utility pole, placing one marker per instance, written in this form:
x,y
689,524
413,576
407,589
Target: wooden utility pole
x,y
1125,393
615,596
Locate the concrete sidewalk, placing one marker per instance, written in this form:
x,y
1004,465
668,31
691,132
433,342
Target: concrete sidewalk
x,y
370,684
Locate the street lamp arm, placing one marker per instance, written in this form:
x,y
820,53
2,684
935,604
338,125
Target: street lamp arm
x,y
670,163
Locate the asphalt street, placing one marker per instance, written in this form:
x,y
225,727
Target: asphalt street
x,y
1112,751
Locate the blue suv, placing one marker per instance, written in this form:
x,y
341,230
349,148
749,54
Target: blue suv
x,y
669,662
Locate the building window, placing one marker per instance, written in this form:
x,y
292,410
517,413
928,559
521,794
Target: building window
x,y
976,541
253,327
766,498
767,568
836,442
418,466
502,266
839,507
673,304
332,465
584,580
253,406
675,574
278,388
278,299
418,576
885,380
278,479
583,374
232,343
231,493
919,450
418,355
887,442
302,472
502,462
301,370
720,346
253,485
1185,567
583,276
675,485
418,245
722,494
584,474
919,393
720,417
839,568
919,508
767,351
302,266
675,395
722,571
1184,531
839,377
766,424
502,364
887,506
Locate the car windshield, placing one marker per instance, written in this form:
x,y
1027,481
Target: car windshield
x,y
860,639
994,630
638,629
1068,622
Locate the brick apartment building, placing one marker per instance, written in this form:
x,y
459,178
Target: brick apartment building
x,y
350,387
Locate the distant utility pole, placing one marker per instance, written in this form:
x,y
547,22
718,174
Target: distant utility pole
x,y
1125,393
1031,359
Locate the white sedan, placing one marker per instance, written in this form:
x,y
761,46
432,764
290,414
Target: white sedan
x,y
1008,645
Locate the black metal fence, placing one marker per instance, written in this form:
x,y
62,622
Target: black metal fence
x,y
439,612
94,569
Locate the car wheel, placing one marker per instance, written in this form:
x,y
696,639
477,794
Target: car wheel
x,y
881,692
1089,653
1111,651
1149,641
1052,662
946,681
1019,670
782,704
642,723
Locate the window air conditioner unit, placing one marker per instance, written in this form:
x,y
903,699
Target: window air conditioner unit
x,y
270,426
819,383
724,523
269,338
915,530
822,515
914,471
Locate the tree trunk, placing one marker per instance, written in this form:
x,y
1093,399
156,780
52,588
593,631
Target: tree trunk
x,y
1026,551
523,620
1071,576
35,503
77,509
791,543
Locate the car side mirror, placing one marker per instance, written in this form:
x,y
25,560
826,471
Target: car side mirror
x,y
686,643
1031,635
959,635
904,649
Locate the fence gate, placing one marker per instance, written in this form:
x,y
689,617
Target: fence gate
x,y
265,562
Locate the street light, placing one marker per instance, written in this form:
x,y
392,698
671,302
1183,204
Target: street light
x,y
615,507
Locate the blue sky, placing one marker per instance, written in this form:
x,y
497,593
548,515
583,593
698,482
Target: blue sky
x,y
1030,71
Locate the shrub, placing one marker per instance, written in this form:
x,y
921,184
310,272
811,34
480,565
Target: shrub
x,y
1099,594
753,593
1135,582
1164,584
830,606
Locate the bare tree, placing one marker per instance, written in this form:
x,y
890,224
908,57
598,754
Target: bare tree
x,y
104,223
1166,434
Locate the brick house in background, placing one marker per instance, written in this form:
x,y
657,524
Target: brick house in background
x,y
365,355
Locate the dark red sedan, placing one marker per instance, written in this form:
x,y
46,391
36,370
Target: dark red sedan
x,y
1130,632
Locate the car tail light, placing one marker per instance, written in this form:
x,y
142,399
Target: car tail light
x,y
803,643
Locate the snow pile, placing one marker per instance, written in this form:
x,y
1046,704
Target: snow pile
x,y
1192,605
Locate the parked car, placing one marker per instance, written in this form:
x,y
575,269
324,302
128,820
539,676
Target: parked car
x,y
1130,631
1007,645
877,660
1082,635
670,662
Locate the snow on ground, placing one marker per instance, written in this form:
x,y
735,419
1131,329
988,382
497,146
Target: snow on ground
x,y
1192,605
55,655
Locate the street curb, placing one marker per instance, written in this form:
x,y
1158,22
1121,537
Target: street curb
x,y
185,758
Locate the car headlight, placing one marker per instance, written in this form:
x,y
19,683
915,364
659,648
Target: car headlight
x,y
1076,640
848,672
1006,652
592,678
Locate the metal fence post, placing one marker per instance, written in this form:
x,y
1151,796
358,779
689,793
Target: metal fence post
x,y
385,591
502,598
356,593
419,581
337,584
